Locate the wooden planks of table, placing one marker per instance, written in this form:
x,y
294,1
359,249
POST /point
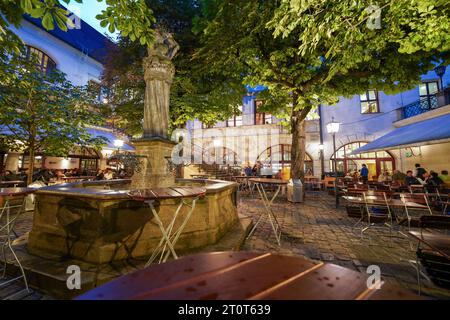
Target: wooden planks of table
x,y
439,242
244,275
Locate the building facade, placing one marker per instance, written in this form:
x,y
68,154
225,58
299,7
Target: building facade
x,y
256,136
374,114
80,54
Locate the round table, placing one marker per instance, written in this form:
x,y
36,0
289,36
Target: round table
x,y
169,236
245,275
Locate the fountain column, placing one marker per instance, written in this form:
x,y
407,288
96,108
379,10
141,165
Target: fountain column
x,y
155,146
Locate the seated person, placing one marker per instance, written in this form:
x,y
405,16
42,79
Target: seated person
x,y
279,175
410,180
434,180
444,176
398,176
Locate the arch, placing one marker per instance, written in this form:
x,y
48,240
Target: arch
x,y
348,162
279,157
45,62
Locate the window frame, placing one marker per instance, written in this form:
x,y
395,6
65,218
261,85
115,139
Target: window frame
x,y
368,101
429,96
43,64
265,115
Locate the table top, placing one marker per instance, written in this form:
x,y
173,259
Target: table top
x,y
437,241
268,181
392,202
243,275
11,182
76,178
166,193
9,192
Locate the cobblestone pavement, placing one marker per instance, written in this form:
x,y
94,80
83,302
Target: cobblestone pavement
x,y
317,230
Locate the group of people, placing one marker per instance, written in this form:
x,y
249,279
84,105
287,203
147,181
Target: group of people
x,y
420,176
51,175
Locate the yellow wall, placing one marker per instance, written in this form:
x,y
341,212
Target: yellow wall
x,y
433,157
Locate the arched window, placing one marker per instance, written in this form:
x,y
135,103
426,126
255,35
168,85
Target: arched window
x,y
279,157
44,62
376,162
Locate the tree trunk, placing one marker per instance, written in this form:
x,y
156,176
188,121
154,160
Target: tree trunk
x,y
31,166
298,149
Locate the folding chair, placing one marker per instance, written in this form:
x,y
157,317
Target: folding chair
x,y
434,263
10,211
378,211
420,199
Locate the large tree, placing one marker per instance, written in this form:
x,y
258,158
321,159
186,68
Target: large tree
x,y
43,112
242,41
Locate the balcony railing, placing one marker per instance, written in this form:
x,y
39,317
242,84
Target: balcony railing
x,y
440,99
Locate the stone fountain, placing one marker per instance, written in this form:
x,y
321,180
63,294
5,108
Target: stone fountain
x,y
97,222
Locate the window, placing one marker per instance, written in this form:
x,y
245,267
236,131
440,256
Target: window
x,y
44,62
236,120
427,91
369,102
261,117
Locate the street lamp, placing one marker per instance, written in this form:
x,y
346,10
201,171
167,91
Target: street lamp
x,y
118,144
333,128
440,71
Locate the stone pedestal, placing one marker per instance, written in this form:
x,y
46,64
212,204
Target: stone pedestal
x,y
12,161
155,170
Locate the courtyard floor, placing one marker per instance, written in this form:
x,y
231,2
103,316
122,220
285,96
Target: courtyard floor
x,y
318,231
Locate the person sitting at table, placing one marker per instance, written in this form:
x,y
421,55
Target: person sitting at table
x,y
279,175
100,175
248,169
256,170
383,176
410,179
444,176
109,175
398,176
434,180
420,172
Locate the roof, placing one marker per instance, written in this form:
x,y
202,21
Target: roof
x,y
85,39
431,131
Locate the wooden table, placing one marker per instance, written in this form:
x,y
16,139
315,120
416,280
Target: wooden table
x,y
199,176
9,184
259,183
244,275
372,200
81,178
439,242
169,236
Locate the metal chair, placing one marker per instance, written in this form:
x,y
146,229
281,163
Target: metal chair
x,y
10,211
378,211
416,198
435,264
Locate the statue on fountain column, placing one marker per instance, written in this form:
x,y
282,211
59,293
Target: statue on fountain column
x,y
158,75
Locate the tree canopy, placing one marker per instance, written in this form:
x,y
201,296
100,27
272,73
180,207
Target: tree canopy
x,y
306,61
195,93
43,112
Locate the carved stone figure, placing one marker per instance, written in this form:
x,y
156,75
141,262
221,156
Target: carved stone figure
x,y
158,74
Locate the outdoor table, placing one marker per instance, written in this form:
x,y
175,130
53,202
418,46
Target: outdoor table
x,y
259,183
199,176
11,184
372,200
81,178
11,198
439,242
245,276
169,236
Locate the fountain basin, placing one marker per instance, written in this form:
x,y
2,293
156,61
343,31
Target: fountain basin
x,y
98,223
